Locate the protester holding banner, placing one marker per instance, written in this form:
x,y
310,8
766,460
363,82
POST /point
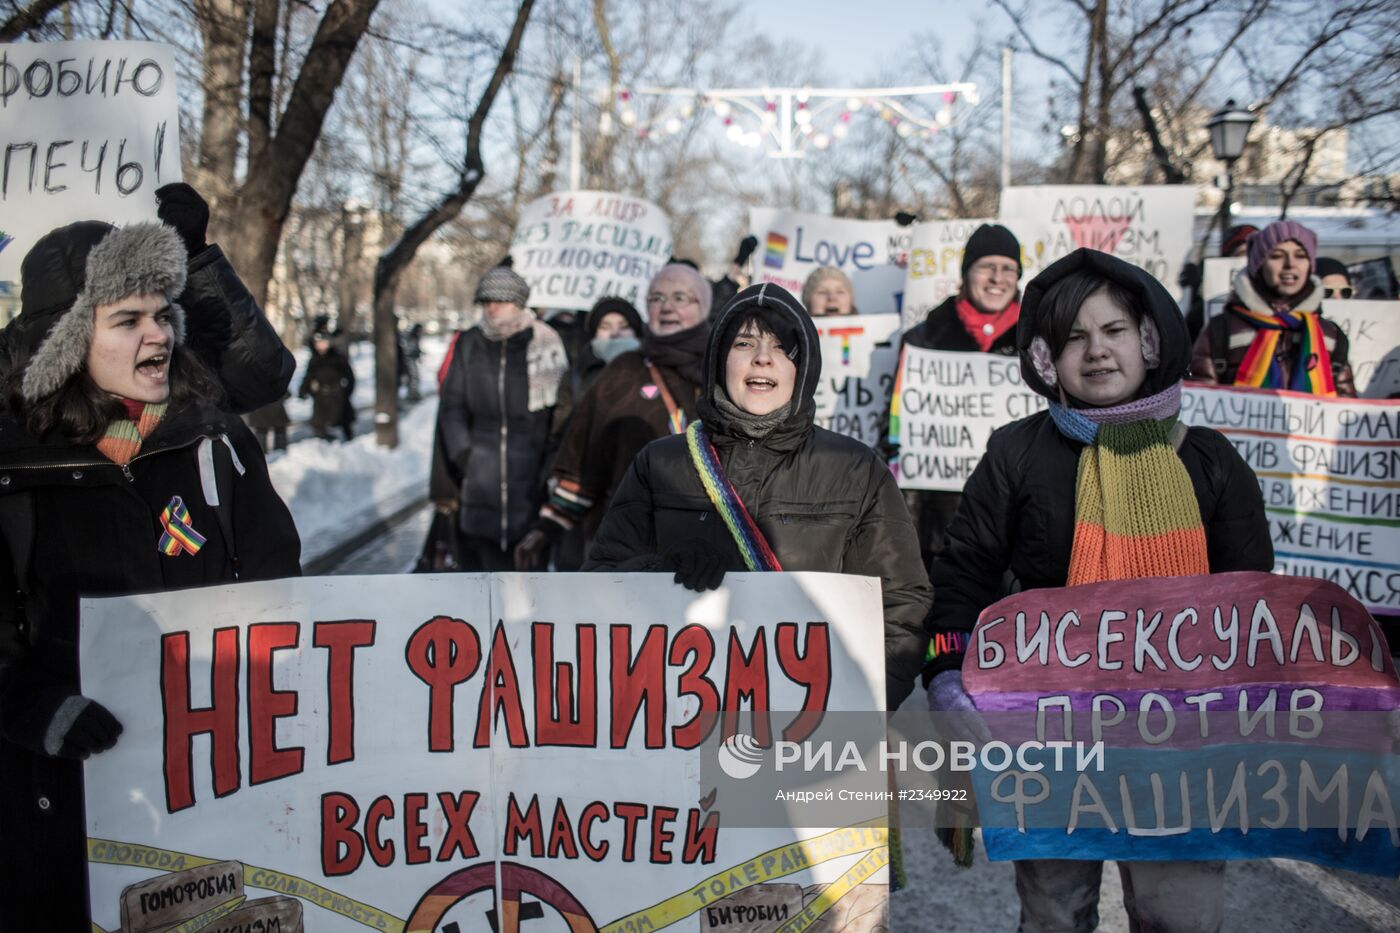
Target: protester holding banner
x,y
757,486
1272,334
640,396
494,419
980,318
828,292
112,431
1105,485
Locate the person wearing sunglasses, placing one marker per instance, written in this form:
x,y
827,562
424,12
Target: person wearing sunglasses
x,y
1272,334
1336,280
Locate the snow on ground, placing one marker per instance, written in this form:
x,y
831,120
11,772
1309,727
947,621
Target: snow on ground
x,y
335,490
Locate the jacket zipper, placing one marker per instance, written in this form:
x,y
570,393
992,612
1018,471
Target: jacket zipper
x,y
505,431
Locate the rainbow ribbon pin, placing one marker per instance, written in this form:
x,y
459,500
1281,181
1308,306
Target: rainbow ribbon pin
x,y
179,534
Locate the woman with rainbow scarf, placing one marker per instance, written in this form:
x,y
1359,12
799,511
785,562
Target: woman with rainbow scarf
x,y
1272,334
1105,485
755,485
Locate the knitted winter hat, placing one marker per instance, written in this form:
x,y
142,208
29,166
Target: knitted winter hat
x,y
1280,231
1326,265
73,270
991,240
503,284
1236,237
613,305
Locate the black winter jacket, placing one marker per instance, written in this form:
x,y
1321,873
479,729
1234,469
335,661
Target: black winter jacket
x,y
942,330
329,381
824,502
496,445
232,336
1017,509
96,534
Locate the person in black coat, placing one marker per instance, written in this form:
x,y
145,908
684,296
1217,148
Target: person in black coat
x,y
493,423
112,433
980,318
329,382
1107,345
822,501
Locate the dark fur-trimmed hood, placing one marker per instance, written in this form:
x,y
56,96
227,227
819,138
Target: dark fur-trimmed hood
x,y
73,270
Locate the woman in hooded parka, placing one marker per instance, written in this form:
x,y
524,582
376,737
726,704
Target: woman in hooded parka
x,y
802,497
114,459
1050,499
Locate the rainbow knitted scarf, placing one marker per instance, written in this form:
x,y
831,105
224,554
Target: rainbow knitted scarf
x,y
753,546
1135,510
122,442
1261,367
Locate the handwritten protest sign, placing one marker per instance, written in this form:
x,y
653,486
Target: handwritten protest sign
x,y
575,247
935,265
1328,469
945,405
90,131
412,753
872,253
1149,225
858,362
1373,343
1226,707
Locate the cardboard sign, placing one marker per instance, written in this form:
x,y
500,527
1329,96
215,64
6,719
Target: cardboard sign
x,y
90,130
935,265
1210,695
410,753
872,253
1328,472
1148,225
575,247
1373,343
945,407
858,362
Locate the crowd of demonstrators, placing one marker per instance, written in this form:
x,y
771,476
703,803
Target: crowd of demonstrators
x,y
129,350
828,292
980,318
1056,500
493,425
755,485
1272,334
329,381
642,395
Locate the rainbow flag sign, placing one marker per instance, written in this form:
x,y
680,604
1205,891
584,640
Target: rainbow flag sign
x,y
1240,715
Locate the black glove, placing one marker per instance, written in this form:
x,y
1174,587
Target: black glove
x,y
63,724
746,247
180,206
698,566
1189,276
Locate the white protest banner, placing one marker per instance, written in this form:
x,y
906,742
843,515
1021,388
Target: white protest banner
x,y
945,406
872,253
457,752
575,247
90,131
1373,343
935,265
859,353
1330,473
1149,226
1218,279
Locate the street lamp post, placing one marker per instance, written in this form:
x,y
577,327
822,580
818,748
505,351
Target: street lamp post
x,y
1229,129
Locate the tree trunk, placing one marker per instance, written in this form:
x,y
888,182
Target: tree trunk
x,y
222,25
254,227
392,263
28,18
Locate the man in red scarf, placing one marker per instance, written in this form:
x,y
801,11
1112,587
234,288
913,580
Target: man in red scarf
x,y
980,318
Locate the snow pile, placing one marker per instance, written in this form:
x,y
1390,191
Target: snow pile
x,y
336,490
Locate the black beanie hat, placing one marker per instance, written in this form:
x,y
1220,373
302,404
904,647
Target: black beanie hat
x,y
613,305
1326,265
991,240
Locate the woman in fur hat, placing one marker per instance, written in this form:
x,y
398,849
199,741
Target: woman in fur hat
x,y
1272,334
114,436
1106,344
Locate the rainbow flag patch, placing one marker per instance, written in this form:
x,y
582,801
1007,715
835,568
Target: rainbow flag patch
x,y
775,253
